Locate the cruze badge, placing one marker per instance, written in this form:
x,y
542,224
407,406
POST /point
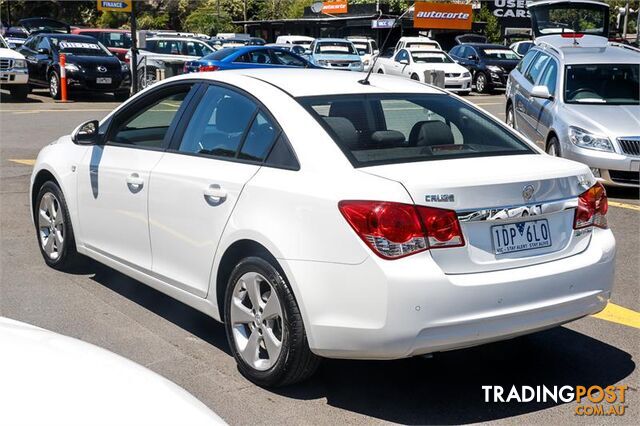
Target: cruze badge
x,y
527,192
439,198
102,69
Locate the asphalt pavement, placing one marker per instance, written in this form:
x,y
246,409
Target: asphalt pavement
x,y
106,308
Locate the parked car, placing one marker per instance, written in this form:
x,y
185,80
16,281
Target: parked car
x,y
169,53
43,25
14,74
422,43
117,41
414,63
15,37
489,64
317,216
295,48
335,53
367,49
89,66
303,41
247,57
521,47
73,382
578,97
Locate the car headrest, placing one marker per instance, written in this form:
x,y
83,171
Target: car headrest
x,y
432,132
351,110
387,138
233,114
344,129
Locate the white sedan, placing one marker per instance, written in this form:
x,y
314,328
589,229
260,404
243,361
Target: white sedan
x,y
319,215
415,63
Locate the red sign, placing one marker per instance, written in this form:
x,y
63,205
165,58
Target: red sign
x,y
334,7
451,16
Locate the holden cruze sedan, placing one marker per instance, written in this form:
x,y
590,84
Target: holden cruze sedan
x,y
320,216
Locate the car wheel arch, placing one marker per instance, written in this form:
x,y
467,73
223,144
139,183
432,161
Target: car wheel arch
x,y
235,252
44,175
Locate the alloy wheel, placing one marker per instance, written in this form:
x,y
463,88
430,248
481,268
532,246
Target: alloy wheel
x,y
51,225
480,83
510,122
256,320
53,85
552,150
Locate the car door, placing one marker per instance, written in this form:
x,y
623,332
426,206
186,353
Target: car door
x,y
28,49
543,108
525,105
113,178
44,59
196,185
398,67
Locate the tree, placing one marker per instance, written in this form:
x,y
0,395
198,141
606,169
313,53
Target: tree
x,y
492,29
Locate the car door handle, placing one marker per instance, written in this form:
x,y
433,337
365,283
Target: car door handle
x,y
135,182
214,194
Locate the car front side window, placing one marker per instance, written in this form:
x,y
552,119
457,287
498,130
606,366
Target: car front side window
x,y
148,127
524,63
536,67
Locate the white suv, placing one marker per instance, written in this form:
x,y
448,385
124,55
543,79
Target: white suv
x,y
14,74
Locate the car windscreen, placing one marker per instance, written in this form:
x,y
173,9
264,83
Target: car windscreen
x,y
116,40
363,48
401,128
335,48
421,45
493,53
613,84
430,58
79,47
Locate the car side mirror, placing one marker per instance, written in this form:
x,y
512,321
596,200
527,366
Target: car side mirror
x,y
43,51
472,57
404,61
307,52
541,92
86,133
376,52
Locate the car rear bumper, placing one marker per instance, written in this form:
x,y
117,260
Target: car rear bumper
x,y
394,309
609,167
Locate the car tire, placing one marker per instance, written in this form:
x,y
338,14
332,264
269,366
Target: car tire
x,y
465,93
553,147
481,83
19,92
54,85
270,351
147,80
510,119
380,71
52,217
121,96
415,77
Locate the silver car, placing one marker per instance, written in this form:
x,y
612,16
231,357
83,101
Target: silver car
x,y
579,98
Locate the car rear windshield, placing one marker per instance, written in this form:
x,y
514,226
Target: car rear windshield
x,y
401,128
79,47
613,84
219,55
421,45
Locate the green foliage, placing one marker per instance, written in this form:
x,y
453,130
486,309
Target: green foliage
x,y
492,29
205,20
112,20
150,21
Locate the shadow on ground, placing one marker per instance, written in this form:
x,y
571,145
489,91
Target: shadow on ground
x,y
624,193
446,389
42,96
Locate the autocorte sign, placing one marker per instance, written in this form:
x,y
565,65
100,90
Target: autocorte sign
x,y
442,15
114,6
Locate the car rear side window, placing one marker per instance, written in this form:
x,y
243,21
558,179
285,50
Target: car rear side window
x,y
219,123
550,76
536,67
387,129
259,140
524,63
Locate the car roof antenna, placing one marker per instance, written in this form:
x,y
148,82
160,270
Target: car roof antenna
x,y
365,80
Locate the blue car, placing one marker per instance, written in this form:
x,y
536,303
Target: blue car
x,y
247,57
336,54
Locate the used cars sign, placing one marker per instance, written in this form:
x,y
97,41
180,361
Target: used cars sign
x,y
442,15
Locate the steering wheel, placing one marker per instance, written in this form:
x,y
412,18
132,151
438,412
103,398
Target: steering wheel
x,y
576,92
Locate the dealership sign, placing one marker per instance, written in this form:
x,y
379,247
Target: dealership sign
x,y
114,6
334,7
442,15
511,13
382,23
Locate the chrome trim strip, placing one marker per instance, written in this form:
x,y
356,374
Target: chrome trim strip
x,y
517,211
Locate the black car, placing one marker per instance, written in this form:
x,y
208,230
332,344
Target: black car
x,y
490,64
90,65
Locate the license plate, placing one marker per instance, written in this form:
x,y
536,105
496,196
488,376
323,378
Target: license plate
x,y
521,236
103,80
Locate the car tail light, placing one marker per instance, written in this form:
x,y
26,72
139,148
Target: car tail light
x,y
572,35
204,68
394,230
592,208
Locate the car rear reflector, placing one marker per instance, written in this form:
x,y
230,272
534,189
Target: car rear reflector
x,y
204,68
592,208
395,230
